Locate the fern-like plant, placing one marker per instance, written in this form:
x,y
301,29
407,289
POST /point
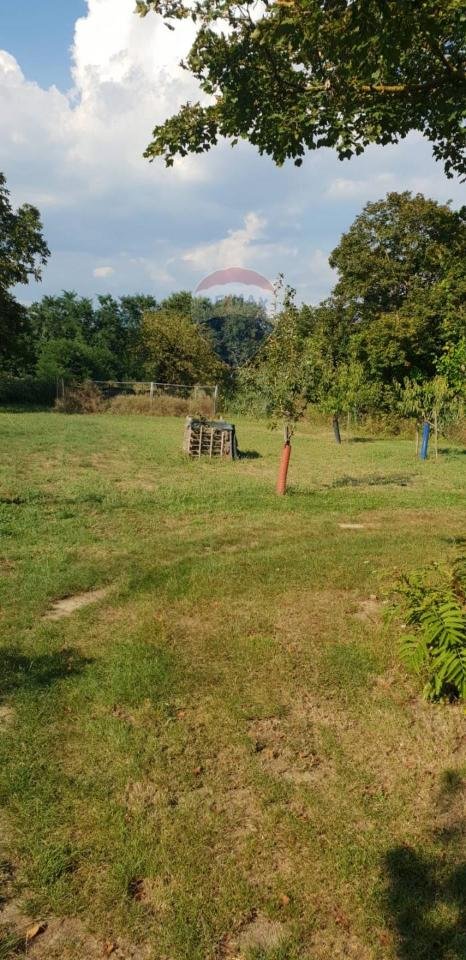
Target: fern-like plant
x,y
436,648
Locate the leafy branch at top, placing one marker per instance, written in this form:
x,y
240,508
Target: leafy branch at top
x,y
295,75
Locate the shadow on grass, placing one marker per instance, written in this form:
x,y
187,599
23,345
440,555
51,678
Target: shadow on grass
x,y
361,440
19,672
458,541
452,452
426,890
249,455
374,480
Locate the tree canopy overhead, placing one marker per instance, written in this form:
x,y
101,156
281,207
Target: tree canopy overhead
x,y
294,75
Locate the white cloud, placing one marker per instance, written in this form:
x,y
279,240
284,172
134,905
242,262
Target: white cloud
x,y
237,249
342,188
156,270
103,272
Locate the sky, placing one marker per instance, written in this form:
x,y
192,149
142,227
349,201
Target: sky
x,y
82,84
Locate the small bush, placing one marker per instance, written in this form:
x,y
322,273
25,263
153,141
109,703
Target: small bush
x,y
161,405
81,398
436,649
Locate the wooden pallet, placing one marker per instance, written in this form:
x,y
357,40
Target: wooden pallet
x,y
210,438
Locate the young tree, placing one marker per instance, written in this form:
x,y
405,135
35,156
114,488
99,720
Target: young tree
x,y
345,389
277,374
23,253
427,401
295,75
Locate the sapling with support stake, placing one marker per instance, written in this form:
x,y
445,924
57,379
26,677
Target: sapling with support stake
x,y
343,388
427,401
277,369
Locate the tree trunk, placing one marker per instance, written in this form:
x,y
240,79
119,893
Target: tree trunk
x,y
336,428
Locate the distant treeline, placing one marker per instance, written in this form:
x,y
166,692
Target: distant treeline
x,y
134,337
391,337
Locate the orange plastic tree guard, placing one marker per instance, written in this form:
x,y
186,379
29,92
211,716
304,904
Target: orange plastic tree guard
x,y
283,470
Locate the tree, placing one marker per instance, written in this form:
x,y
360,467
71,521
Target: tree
x,y
396,247
74,359
427,401
452,366
401,283
276,372
23,253
295,75
237,326
111,328
66,316
176,350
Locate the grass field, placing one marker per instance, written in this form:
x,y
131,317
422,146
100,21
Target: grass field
x,y
220,757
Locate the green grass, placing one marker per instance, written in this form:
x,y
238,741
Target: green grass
x,y
228,734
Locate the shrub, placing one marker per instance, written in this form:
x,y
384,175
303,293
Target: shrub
x,y
456,431
436,649
81,398
27,390
161,405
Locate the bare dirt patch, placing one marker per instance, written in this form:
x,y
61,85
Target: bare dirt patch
x,y
278,754
262,934
68,605
256,933
143,795
352,526
369,610
60,938
7,715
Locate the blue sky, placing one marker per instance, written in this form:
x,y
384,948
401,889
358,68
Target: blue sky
x,y
82,83
39,33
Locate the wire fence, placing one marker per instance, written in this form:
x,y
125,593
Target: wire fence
x,y
152,396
